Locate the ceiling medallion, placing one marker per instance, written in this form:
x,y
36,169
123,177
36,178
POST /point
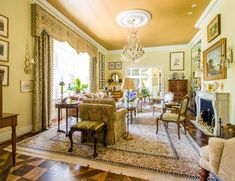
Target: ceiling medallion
x,y
141,17
133,50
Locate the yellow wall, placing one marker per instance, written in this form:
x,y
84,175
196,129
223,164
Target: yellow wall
x,y
226,9
19,14
155,58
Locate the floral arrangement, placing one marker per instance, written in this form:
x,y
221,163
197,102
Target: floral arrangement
x,y
131,95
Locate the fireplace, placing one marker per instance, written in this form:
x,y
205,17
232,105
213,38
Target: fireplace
x,y
211,107
207,114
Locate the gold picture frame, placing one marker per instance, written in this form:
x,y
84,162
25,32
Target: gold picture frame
x,y
212,61
213,28
5,81
4,25
4,50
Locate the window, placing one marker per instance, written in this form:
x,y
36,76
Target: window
x,y
67,64
147,77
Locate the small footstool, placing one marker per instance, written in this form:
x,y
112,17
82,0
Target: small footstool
x,y
92,127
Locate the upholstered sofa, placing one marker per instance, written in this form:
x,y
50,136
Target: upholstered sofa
x,y
104,111
218,157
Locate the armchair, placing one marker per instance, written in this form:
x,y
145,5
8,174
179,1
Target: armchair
x,y
218,157
115,120
178,117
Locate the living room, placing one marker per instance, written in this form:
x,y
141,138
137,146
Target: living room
x,y
185,37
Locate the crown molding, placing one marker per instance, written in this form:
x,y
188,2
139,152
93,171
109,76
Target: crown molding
x,y
156,49
66,21
195,39
205,15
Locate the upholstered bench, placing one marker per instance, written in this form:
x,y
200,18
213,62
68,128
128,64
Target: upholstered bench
x,y
5,163
92,127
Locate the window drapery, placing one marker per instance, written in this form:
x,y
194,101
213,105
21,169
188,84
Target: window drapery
x,y
46,27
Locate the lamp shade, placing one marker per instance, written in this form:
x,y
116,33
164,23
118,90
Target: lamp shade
x,y
128,83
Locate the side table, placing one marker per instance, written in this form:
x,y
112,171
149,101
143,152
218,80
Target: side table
x,y
66,106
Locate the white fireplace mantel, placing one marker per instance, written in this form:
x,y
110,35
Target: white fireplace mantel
x,y
220,103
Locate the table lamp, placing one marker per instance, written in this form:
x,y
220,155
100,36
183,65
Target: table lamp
x,y
128,84
61,89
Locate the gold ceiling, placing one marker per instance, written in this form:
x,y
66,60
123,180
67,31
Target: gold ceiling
x,y
170,23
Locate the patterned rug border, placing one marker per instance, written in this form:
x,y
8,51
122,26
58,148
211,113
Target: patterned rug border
x,y
117,164
191,141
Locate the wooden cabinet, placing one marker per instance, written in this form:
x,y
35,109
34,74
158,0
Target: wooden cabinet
x,y
179,88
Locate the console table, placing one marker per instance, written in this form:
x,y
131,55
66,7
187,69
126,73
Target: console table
x,y
8,120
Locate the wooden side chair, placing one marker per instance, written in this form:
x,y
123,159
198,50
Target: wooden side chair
x,y
178,117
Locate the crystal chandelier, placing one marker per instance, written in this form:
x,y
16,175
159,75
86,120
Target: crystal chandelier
x,y
132,50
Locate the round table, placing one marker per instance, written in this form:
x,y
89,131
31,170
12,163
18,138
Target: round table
x,y
64,105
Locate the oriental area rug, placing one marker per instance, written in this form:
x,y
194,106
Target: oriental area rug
x,y
162,152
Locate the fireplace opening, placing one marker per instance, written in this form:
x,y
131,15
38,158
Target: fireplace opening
x,y
207,113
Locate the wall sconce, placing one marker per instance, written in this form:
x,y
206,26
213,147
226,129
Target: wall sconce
x,y
28,61
228,59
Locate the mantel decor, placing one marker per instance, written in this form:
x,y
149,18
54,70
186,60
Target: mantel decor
x,y
213,28
177,61
213,58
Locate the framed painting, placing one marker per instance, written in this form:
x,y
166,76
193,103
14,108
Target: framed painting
x,y
213,58
176,61
118,65
4,50
4,26
26,86
111,65
213,28
5,81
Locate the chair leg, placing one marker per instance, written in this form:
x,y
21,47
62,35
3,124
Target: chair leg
x,y
204,174
153,110
71,140
95,135
157,125
105,134
178,130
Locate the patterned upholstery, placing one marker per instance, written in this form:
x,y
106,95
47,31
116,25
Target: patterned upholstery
x,y
90,125
115,120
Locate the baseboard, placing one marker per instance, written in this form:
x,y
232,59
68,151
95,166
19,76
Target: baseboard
x,y
20,131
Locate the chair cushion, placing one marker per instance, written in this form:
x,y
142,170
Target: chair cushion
x,y
171,117
88,125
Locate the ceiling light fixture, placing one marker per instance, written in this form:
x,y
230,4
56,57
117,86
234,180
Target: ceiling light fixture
x,y
133,51
190,13
194,5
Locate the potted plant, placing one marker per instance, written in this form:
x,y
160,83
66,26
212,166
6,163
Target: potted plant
x,y
145,92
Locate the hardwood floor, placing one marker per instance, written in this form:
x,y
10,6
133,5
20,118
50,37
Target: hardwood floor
x,y
30,168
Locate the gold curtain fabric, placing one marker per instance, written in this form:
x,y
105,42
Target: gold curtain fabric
x,y
42,20
43,52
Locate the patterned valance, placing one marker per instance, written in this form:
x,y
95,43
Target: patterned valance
x,y
43,20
